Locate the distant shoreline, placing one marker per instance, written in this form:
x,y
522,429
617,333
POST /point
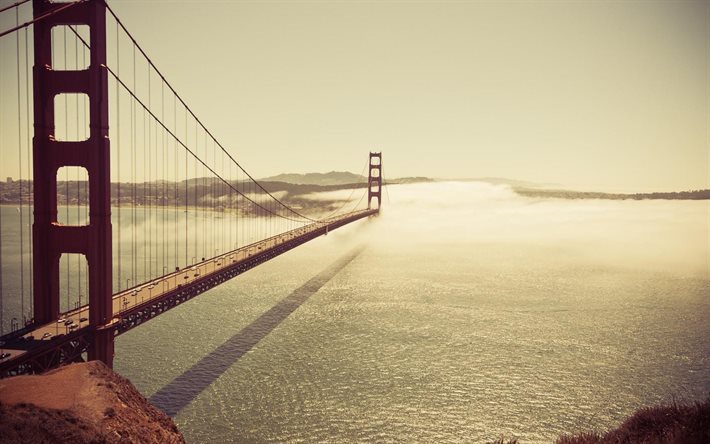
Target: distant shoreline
x,y
200,195
565,194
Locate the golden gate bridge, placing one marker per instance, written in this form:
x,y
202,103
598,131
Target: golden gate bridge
x,y
134,205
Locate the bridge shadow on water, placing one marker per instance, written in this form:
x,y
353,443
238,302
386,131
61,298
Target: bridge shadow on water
x,y
185,388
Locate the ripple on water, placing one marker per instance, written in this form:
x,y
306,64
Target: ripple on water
x,y
432,347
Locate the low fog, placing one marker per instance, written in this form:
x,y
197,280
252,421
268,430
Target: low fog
x,y
650,235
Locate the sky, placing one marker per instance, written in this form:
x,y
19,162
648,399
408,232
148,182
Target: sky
x,y
609,96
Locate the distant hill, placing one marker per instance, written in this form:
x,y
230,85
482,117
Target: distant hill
x,y
566,194
211,192
322,179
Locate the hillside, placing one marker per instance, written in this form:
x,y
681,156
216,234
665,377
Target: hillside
x,y
566,194
673,424
80,403
214,194
196,193
322,179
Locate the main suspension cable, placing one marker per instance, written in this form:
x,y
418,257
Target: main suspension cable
x,y
172,134
348,200
14,5
41,17
130,36
197,121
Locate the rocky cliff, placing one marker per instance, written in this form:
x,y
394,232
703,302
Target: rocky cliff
x,y
80,403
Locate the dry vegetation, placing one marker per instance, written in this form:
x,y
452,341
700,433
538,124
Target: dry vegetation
x,y
664,424
667,424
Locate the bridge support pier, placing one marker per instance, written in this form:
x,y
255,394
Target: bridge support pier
x,y
52,239
101,347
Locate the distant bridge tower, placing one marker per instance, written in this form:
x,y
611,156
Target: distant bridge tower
x,y
52,239
375,180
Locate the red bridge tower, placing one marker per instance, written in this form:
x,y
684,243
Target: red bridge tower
x,y
52,239
375,180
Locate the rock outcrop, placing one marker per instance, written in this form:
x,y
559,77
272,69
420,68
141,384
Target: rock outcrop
x,y
80,403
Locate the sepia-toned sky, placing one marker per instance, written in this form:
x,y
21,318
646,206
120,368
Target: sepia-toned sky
x,y
594,95
599,95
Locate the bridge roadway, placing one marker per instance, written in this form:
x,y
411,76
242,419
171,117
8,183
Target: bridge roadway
x,y
136,305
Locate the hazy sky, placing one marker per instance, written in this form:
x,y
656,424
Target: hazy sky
x,y
594,95
587,94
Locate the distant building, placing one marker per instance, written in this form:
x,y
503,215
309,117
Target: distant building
x,y
9,179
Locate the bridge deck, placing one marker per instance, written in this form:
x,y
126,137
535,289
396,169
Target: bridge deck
x,y
136,305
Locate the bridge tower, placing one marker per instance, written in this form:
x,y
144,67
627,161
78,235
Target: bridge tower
x,y
52,239
374,186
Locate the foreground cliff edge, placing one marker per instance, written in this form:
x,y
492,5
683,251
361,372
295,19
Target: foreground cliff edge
x,y
80,403
89,403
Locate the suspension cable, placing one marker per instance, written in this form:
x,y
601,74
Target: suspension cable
x,y
358,202
130,36
384,181
157,71
172,134
14,5
348,200
41,17
197,121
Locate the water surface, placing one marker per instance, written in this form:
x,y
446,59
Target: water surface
x,y
471,313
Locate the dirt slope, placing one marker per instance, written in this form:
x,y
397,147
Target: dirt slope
x,y
80,403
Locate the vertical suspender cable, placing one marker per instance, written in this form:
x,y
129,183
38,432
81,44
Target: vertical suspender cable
x,y
134,165
163,202
194,194
213,192
29,176
2,107
149,151
199,228
177,183
218,195
231,213
85,216
78,171
206,208
145,196
387,191
118,155
1,282
2,330
223,205
256,213
66,170
19,147
187,197
210,211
